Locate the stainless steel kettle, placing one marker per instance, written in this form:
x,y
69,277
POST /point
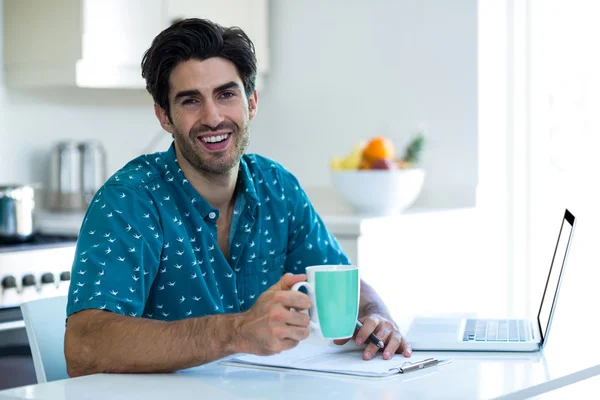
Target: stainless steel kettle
x,y
16,213
65,192
77,171
93,168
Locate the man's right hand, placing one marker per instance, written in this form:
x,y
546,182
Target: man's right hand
x,y
271,326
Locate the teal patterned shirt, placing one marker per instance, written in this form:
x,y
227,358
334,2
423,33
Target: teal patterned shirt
x,y
148,244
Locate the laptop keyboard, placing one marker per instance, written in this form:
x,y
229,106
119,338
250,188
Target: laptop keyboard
x,y
494,330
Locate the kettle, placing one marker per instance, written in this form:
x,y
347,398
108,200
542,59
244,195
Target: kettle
x,y
77,171
93,169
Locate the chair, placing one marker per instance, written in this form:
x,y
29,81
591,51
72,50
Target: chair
x,y
45,325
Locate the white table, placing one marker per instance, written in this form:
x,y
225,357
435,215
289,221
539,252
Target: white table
x,y
587,389
468,376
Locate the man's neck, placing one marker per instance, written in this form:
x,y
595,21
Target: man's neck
x,y
217,190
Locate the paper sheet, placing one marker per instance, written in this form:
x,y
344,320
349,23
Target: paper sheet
x,y
322,358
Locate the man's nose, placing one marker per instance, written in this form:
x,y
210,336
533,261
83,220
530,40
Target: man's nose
x,y
211,115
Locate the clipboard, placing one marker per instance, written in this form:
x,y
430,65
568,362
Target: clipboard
x,y
333,360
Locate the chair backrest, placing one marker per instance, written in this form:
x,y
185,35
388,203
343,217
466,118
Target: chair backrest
x,y
45,325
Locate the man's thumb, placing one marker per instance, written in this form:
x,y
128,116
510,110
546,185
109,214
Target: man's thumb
x,y
288,280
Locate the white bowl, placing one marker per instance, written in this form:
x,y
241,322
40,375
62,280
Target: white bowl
x,y
379,192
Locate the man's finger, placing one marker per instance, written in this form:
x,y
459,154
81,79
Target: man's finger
x,y
297,333
287,281
405,348
384,332
392,346
295,318
369,325
289,299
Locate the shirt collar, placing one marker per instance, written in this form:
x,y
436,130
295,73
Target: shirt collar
x,y
244,186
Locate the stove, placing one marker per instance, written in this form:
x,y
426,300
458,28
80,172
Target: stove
x,y
35,269
37,241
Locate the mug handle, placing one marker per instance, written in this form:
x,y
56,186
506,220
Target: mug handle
x,y
313,309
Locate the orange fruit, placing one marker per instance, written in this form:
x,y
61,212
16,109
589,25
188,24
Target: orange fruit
x,y
379,148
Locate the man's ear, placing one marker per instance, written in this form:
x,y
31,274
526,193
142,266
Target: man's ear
x,y
163,118
253,105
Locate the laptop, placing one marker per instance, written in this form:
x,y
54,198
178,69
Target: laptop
x,y
475,334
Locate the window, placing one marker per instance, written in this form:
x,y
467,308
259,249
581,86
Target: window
x,y
539,130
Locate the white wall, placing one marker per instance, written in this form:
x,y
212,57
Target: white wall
x,y
341,71
347,70
32,120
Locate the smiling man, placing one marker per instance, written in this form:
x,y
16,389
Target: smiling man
x,y
188,256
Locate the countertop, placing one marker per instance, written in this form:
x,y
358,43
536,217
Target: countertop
x,y
341,220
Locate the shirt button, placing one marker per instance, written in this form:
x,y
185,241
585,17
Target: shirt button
x,y
212,215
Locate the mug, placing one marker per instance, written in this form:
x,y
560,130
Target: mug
x,y
334,291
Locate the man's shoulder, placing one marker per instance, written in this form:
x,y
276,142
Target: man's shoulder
x,y
257,163
140,172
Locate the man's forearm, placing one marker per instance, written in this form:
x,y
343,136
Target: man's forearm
x,y
109,342
371,303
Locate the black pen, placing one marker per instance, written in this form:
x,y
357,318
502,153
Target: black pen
x,y
372,338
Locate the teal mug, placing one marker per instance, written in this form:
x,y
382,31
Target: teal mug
x,y
334,291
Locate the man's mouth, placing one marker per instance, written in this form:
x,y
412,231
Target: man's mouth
x,y
216,142
215,139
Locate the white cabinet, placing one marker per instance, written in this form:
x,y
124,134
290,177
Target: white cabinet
x,y
100,43
114,32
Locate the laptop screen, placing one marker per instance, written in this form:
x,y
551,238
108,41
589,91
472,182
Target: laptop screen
x,y
556,270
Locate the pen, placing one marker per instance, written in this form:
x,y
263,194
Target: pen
x,y
372,338
429,362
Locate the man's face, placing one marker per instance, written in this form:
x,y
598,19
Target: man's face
x,y
210,114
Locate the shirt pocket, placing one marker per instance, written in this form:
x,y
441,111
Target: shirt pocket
x,y
270,269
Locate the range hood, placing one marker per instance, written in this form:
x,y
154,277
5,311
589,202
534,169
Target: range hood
x,y
83,43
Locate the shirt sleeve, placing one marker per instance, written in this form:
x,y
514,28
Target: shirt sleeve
x,y
117,253
309,241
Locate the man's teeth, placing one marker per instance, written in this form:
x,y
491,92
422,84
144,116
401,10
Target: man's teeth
x,y
214,139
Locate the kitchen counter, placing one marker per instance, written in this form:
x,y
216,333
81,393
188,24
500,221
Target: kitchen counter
x,y
363,236
39,242
341,220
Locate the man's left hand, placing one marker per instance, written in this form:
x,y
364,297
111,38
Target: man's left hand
x,y
385,330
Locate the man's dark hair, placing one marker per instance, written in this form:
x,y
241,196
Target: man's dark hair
x,y
197,39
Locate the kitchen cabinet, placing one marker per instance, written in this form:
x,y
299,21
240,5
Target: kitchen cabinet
x,y
100,43
250,15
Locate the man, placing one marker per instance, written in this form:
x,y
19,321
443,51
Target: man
x,y
188,256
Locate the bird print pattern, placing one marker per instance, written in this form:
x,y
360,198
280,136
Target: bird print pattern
x,y
148,243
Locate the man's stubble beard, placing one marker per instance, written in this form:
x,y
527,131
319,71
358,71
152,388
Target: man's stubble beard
x,y
218,165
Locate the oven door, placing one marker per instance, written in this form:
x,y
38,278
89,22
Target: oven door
x,y
16,363
12,330
11,319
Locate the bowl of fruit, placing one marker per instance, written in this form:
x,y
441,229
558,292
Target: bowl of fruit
x,y
373,180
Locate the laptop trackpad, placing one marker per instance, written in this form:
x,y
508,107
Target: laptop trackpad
x,y
438,329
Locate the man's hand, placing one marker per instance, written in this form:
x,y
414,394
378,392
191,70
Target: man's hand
x,y
270,326
385,330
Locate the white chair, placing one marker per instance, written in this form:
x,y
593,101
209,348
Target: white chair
x,y
45,325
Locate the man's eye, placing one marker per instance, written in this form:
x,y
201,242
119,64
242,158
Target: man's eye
x,y
188,102
227,95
